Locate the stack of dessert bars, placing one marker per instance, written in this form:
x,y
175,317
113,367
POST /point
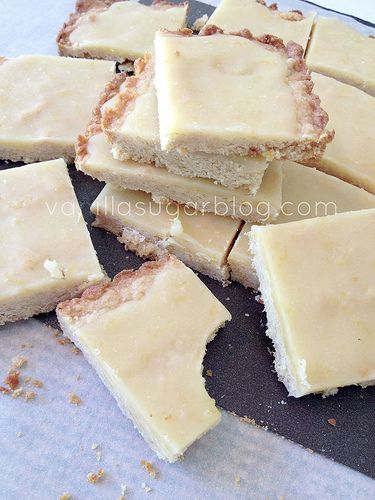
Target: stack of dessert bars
x,y
193,144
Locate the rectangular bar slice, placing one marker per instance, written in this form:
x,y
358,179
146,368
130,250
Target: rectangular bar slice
x,y
307,193
261,103
117,30
46,254
46,102
255,15
130,121
94,158
146,334
338,50
320,303
153,230
351,155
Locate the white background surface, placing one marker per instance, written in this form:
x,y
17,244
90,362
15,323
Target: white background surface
x,y
54,452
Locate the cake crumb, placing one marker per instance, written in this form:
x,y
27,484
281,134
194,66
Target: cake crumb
x,y
19,361
75,350
63,341
74,399
259,299
29,395
65,496
237,481
98,452
200,22
209,373
17,393
4,390
146,488
36,383
94,477
332,422
12,379
19,434
149,468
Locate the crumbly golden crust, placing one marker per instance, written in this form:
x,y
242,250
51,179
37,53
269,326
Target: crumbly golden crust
x,y
127,285
292,15
83,7
94,126
311,118
143,70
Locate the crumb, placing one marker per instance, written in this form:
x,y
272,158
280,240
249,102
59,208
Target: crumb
x,y
27,346
93,477
146,488
12,379
75,350
36,383
228,298
237,480
332,422
259,299
63,341
209,373
178,53
19,361
74,399
149,468
4,390
121,497
247,315
29,395
19,434
199,23
65,496
17,392
97,450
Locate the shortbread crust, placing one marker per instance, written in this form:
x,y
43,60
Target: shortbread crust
x,y
146,334
130,121
307,193
41,223
119,30
351,155
255,15
94,158
46,101
153,230
340,51
320,302
271,110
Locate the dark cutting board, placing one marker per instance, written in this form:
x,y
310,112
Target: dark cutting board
x,y
243,379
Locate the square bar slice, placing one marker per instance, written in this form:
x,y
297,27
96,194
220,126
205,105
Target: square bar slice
x,y
94,158
255,15
46,254
130,121
261,103
338,50
45,102
307,193
153,230
146,334
117,30
351,154
317,279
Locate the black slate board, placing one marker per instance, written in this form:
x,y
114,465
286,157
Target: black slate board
x,y
241,361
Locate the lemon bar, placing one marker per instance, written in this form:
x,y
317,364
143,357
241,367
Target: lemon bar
x,y
152,230
247,96
146,334
340,51
130,121
45,102
317,279
351,155
255,15
117,30
46,254
95,159
307,193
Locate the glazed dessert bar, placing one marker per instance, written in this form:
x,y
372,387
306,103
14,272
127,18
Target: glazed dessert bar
x,y
255,15
41,222
340,51
351,154
152,230
94,158
130,121
238,114
307,193
146,334
320,302
117,30
34,90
